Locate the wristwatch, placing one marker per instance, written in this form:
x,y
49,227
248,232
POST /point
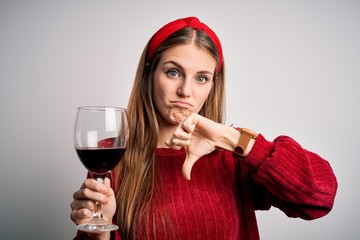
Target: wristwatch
x,y
246,136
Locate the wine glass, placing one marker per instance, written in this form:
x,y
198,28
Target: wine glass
x,y
101,135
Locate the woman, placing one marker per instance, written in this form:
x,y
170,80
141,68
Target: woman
x,y
175,111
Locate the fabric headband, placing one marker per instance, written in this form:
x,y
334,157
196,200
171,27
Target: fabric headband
x,y
178,24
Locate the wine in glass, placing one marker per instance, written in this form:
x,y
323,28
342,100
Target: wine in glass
x,y
101,135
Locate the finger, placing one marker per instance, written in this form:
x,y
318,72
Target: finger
x,y
107,182
82,204
107,185
94,185
180,138
180,143
181,134
172,144
189,124
188,165
82,211
88,194
188,127
110,191
81,216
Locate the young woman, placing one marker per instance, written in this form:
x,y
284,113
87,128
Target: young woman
x,y
185,174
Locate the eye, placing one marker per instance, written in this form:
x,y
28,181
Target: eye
x,y
173,73
202,79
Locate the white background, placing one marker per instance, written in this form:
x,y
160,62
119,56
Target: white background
x,y
293,68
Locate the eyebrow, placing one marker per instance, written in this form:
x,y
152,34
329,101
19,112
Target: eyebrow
x,y
182,68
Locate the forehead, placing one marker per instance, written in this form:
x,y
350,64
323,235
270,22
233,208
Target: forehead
x,y
190,56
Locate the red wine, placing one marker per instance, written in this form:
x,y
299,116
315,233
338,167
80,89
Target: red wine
x,y
100,160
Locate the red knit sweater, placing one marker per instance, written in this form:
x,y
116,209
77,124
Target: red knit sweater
x,y
220,200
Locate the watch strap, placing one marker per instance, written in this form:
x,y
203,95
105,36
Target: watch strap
x,y
245,137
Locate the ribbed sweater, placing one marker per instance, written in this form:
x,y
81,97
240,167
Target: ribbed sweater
x,y
220,200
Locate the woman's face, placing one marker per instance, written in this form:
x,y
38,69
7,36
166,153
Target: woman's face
x,y
182,81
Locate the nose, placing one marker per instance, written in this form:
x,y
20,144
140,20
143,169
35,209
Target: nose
x,y
184,89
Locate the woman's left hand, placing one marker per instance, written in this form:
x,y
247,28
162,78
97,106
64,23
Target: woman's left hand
x,y
199,136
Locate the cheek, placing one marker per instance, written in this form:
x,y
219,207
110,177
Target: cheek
x,y
204,97
205,94
159,94
156,95
158,103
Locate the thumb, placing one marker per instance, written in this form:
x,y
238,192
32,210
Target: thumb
x,y
187,166
107,184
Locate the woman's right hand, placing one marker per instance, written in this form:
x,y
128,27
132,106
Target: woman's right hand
x,y
200,136
83,204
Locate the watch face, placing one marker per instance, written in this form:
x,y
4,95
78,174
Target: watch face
x,y
239,151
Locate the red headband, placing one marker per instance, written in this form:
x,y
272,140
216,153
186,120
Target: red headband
x,y
178,24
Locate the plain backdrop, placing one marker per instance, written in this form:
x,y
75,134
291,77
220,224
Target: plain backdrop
x,y
293,68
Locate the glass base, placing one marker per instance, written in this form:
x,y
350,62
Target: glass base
x,y
97,225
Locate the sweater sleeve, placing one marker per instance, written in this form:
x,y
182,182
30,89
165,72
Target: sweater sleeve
x,y
297,181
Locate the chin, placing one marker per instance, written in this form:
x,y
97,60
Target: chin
x,y
179,115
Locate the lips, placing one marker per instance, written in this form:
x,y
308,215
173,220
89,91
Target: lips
x,y
182,104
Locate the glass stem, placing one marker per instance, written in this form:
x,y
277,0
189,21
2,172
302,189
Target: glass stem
x,y
98,212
